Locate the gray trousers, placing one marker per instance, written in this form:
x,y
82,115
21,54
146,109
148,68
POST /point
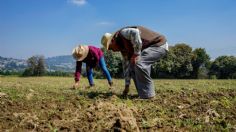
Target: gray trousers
x,y
142,70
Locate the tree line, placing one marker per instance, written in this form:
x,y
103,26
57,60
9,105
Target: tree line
x,y
181,62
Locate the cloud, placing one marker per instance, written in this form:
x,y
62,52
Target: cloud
x,y
78,2
105,23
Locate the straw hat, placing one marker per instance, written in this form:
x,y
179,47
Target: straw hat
x,y
80,52
106,40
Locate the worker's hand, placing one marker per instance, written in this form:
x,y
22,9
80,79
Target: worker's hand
x,y
126,90
134,59
76,85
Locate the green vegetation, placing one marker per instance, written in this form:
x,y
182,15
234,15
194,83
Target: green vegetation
x,y
49,104
181,62
36,66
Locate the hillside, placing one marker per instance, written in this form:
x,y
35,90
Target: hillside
x,y
59,63
64,63
12,64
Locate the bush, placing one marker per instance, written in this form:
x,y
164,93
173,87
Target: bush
x,y
212,77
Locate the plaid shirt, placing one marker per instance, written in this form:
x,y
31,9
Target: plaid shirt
x,y
132,34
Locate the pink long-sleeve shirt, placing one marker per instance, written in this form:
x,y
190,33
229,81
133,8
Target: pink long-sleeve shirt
x,y
91,61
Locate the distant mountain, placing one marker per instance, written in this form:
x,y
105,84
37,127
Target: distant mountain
x,y
11,64
64,63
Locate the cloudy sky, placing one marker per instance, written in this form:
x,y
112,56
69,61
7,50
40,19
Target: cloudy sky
x,y
54,27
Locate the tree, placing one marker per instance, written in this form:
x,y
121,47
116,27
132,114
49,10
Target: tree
x,y
200,62
224,67
177,63
41,70
164,67
32,65
114,62
36,66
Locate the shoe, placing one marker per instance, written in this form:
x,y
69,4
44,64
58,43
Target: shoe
x,y
110,83
90,86
125,92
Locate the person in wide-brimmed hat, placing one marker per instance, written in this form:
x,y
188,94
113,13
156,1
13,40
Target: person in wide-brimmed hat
x,y
93,57
140,48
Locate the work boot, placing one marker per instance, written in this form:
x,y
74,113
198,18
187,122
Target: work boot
x,y
126,90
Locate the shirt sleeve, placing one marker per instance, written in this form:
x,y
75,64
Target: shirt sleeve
x,y
127,71
133,34
78,70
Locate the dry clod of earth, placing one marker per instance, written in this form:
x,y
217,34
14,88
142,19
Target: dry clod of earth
x,y
212,113
3,95
116,117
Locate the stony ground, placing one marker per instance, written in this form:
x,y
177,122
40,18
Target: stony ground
x,y
49,104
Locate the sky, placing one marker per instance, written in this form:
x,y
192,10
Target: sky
x,y
55,27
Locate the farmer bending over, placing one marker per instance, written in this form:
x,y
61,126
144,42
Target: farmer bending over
x,y
93,57
140,48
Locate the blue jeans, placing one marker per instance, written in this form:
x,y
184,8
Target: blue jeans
x,y
102,65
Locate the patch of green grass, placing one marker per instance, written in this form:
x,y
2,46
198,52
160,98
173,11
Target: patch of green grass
x,y
226,102
14,94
